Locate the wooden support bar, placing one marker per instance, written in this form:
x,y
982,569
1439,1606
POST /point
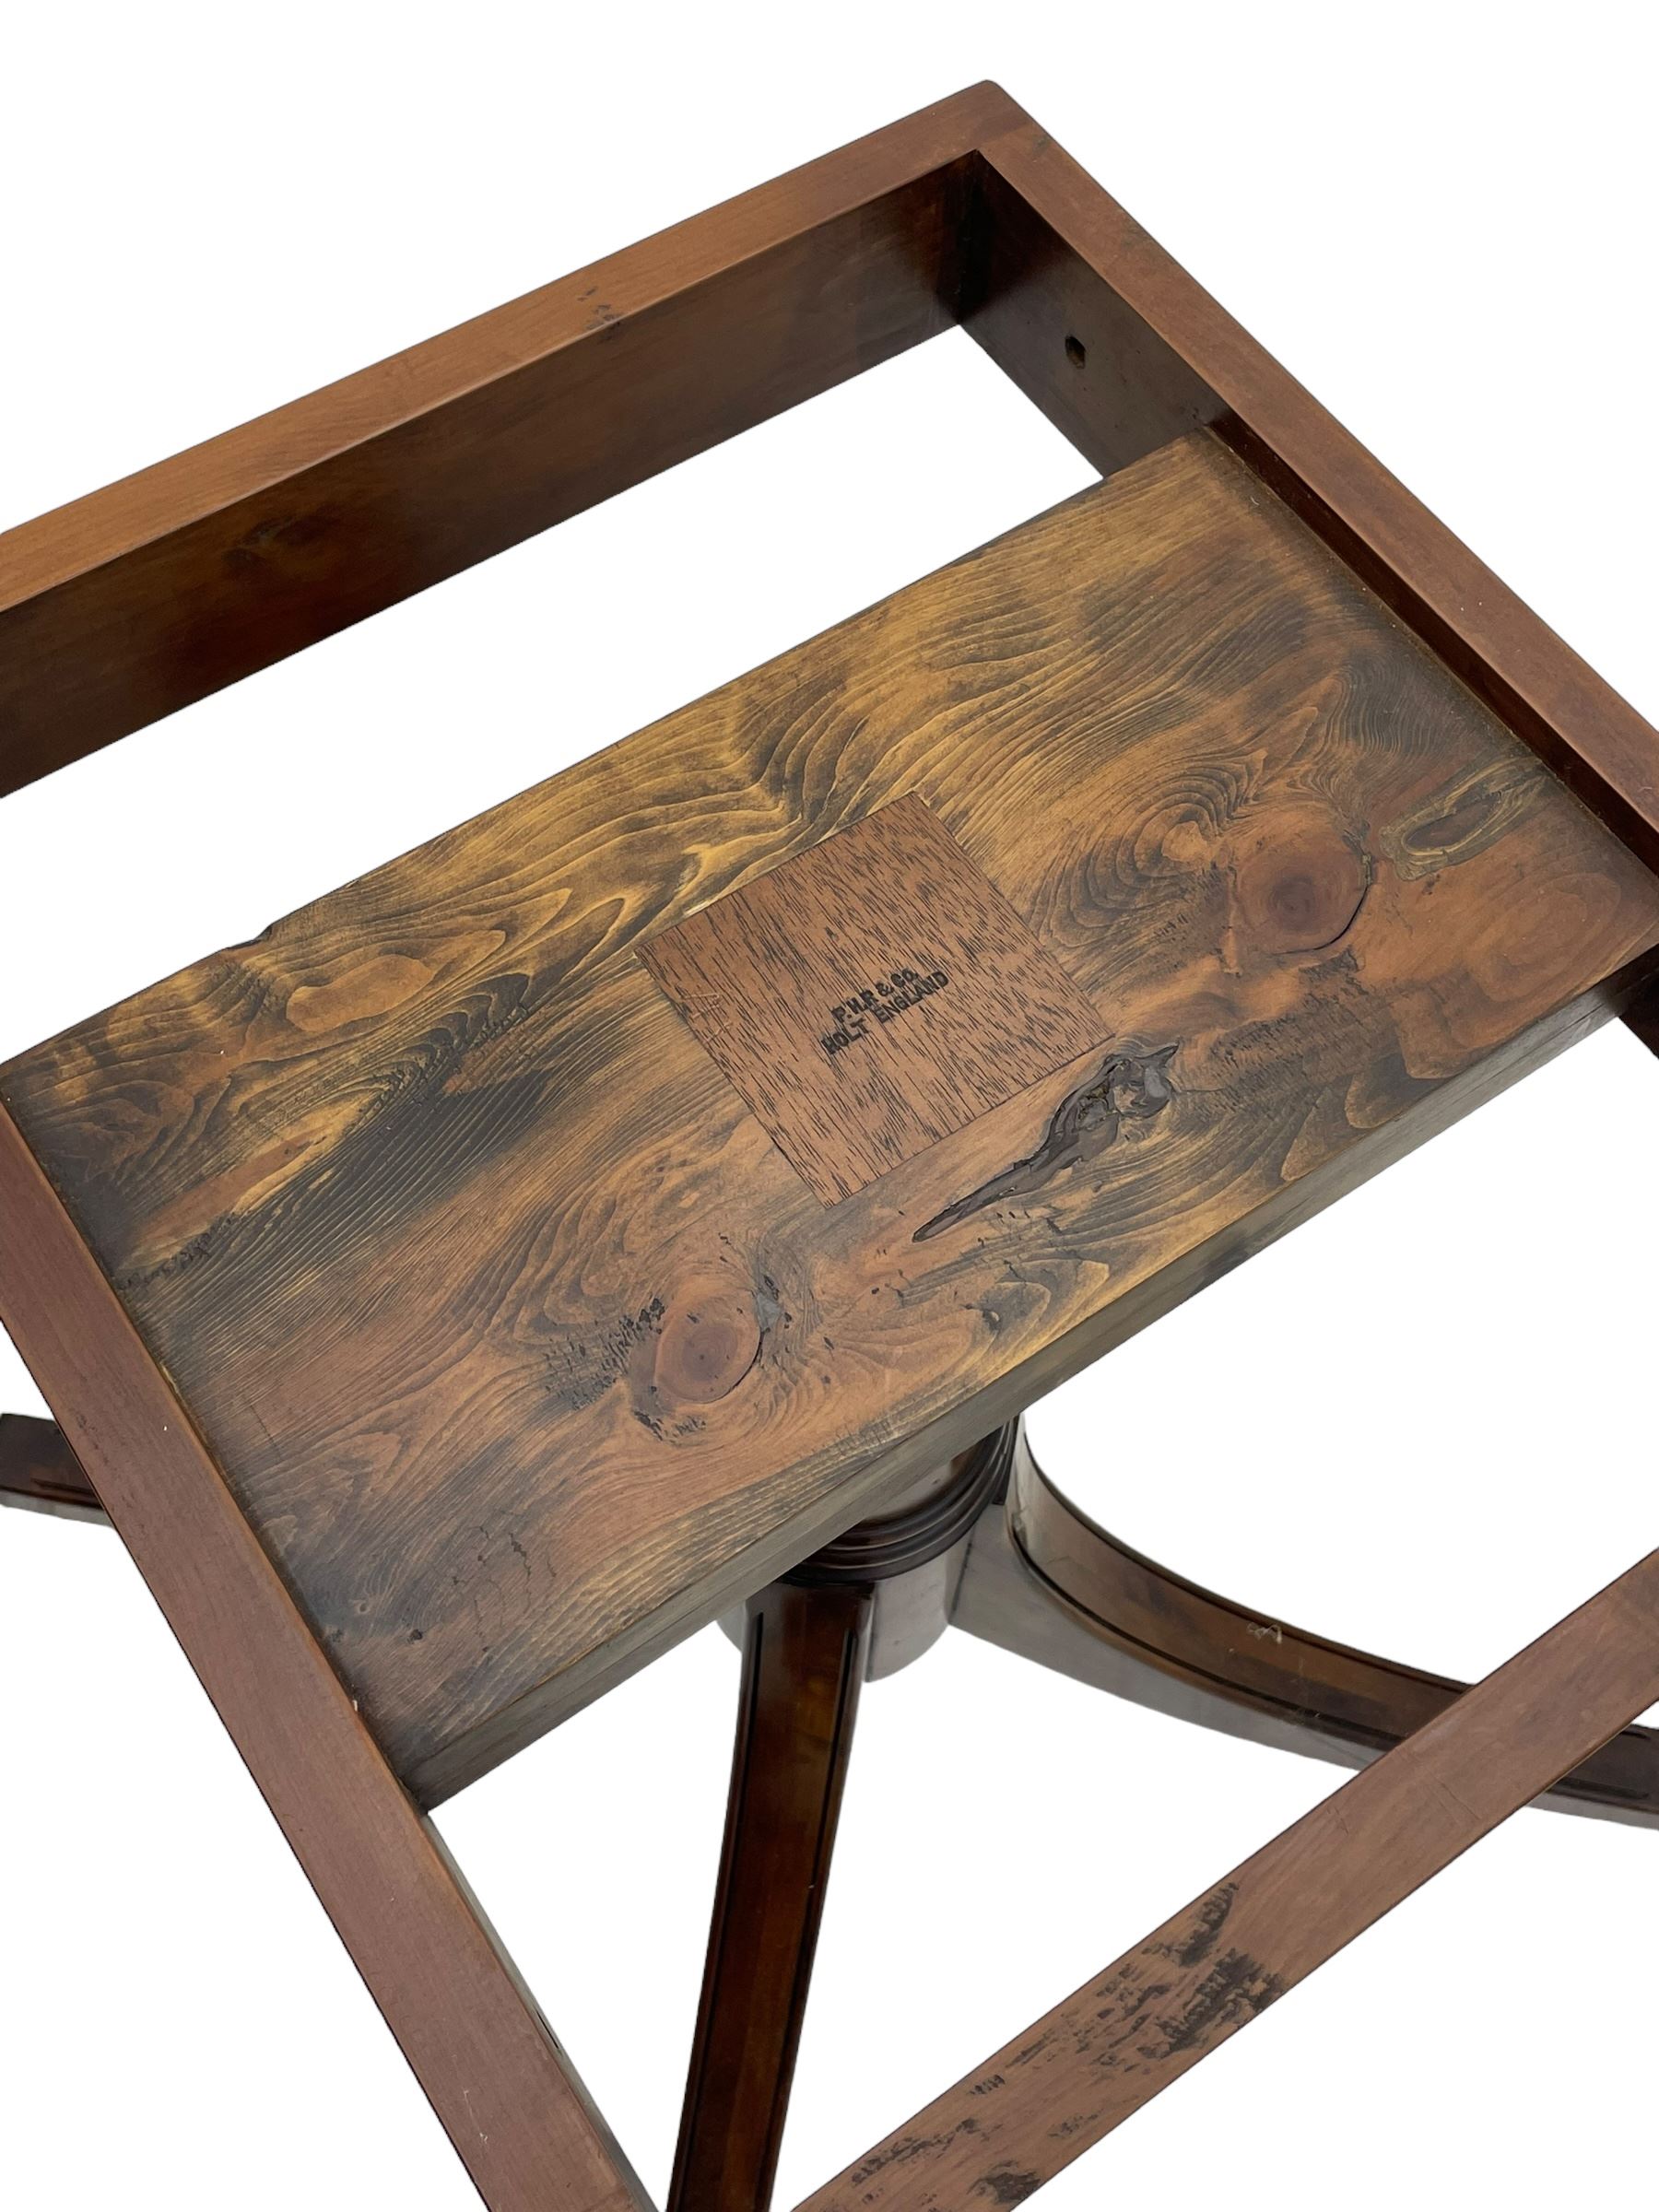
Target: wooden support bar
x,y
481,2048
1057,324
1085,2066
138,599
40,1472
123,605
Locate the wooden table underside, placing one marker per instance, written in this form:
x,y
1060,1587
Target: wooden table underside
x,y
500,1266
519,1340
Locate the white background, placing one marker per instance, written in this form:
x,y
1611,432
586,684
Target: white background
x,y
1424,1423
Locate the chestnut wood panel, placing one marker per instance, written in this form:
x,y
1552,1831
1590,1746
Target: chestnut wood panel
x,y
153,592
1083,2068
519,2119
519,1342
871,995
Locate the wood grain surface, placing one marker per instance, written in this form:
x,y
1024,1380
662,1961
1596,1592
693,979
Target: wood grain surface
x,y
1083,2068
520,1343
871,995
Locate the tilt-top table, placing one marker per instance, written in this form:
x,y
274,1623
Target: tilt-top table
x,y
657,1199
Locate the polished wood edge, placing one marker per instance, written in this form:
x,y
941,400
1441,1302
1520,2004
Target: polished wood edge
x,y
479,2047
133,601
1082,2069
128,603
1188,358
39,1473
1044,1581
353,411
806,1651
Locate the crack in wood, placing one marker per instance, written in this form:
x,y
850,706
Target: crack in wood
x,y
1130,1085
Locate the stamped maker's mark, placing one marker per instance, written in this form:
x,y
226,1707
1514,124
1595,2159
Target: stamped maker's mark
x,y
872,994
877,1006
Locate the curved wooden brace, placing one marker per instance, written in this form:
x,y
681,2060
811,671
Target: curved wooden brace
x,y
1044,1581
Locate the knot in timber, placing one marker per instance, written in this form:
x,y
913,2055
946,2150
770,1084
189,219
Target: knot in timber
x,y
1130,1085
1463,817
709,1337
1296,886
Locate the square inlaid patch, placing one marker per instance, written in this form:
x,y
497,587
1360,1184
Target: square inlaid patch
x,y
871,995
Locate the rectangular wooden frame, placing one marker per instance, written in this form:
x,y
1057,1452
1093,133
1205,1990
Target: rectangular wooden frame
x,y
136,600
